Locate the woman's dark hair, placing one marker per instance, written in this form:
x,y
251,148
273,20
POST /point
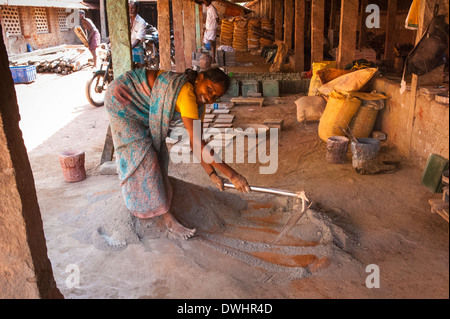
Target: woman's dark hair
x,y
215,75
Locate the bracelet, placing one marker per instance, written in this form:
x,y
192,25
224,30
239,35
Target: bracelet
x,y
213,172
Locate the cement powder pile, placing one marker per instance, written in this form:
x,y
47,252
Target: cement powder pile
x,y
239,226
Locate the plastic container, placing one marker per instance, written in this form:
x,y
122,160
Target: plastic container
x,y
23,74
432,174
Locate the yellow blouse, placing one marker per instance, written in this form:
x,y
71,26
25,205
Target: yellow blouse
x,y
186,103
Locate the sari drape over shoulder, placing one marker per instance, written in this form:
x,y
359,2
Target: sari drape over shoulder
x,y
140,119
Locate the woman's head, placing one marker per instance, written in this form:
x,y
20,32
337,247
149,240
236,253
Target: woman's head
x,y
211,85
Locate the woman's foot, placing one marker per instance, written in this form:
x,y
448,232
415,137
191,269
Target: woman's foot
x,y
176,228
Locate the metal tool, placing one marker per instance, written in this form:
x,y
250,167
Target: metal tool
x,y
266,190
293,219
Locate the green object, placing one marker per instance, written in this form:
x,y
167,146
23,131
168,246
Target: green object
x,y
432,174
271,88
249,86
233,90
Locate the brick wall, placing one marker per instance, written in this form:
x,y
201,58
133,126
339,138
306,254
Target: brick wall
x,y
54,37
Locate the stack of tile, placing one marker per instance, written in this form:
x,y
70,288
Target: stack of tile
x,y
254,33
240,34
226,34
268,30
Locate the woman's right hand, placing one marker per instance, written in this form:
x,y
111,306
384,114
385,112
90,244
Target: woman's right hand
x,y
240,183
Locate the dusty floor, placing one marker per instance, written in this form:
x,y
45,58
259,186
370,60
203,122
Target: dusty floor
x,y
355,221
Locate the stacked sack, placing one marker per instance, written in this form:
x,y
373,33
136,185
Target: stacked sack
x,y
337,102
227,30
254,33
240,34
268,33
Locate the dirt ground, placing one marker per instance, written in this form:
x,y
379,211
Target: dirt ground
x,y
355,220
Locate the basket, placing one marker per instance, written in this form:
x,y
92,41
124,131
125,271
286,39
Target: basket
x,y
23,74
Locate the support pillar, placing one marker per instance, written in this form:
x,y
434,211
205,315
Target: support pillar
x,y
279,19
119,35
178,33
347,32
163,8
390,30
317,30
299,49
288,21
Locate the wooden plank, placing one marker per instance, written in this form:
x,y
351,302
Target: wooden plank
x,y
347,32
299,40
178,34
390,30
81,35
279,19
317,30
288,22
252,100
164,34
189,36
119,34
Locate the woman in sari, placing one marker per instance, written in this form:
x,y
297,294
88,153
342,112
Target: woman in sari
x,y
141,104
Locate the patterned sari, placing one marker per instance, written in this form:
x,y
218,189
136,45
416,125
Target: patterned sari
x,y
140,119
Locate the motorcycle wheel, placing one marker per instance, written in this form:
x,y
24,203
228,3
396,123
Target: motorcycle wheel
x,y
95,89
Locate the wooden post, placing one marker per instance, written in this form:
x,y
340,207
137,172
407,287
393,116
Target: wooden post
x,y
198,26
178,33
362,40
332,25
189,36
102,20
164,34
317,30
347,32
119,35
272,10
279,5
288,20
390,30
299,49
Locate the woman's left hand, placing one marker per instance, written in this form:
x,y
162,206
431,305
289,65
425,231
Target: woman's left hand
x,y
218,181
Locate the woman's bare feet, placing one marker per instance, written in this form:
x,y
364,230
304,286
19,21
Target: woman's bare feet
x,y
176,228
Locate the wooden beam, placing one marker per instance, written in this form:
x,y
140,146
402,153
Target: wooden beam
x,y
279,19
164,34
347,32
317,29
119,35
390,30
178,34
299,45
288,21
189,36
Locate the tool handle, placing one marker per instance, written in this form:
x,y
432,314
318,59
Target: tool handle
x,y
265,190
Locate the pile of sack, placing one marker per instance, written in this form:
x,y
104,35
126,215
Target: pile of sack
x,y
336,101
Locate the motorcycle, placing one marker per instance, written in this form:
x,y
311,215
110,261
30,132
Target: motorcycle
x,y
97,85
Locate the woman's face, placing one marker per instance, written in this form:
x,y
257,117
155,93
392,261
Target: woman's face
x,y
206,91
